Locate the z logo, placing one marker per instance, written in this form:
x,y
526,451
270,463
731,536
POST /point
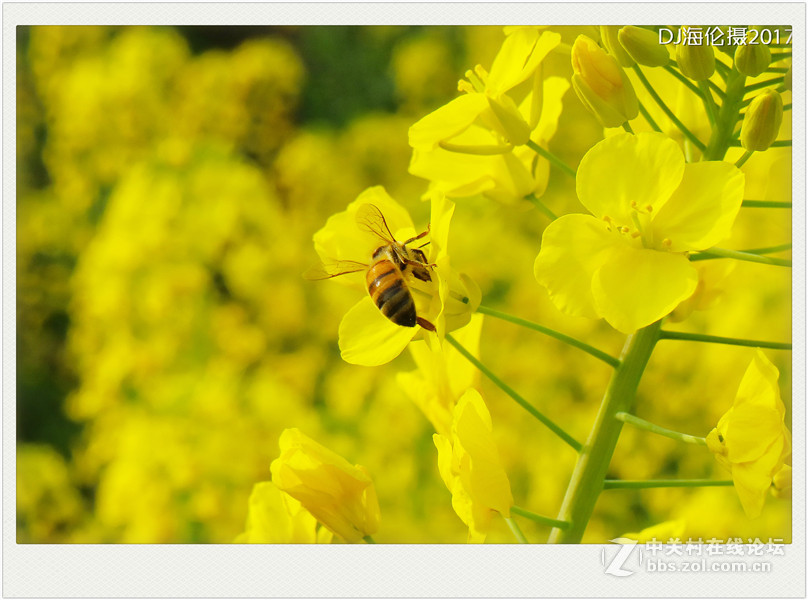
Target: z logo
x,y
615,567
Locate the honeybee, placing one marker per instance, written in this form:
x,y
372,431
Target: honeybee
x,y
385,276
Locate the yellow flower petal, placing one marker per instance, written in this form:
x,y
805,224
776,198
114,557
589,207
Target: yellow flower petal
x,y
444,446
276,518
521,54
751,485
750,430
368,338
644,168
470,467
455,174
554,90
447,121
487,482
342,239
636,287
443,375
759,385
339,495
566,269
701,212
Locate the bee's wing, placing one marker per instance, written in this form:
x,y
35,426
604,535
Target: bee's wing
x,y
371,219
333,268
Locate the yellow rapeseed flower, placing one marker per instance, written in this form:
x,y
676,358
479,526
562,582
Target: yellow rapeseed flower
x,y
487,100
443,375
277,518
469,466
503,173
366,336
339,495
629,262
751,440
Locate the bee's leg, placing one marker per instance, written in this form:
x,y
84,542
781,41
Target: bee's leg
x,y
419,236
418,263
425,324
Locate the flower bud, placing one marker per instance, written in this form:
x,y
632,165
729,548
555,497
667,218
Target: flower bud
x,y
752,59
696,61
762,121
601,84
643,46
608,35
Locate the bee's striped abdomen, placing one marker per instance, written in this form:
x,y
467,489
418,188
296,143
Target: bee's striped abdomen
x,y
389,292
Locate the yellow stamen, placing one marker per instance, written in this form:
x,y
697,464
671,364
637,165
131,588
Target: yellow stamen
x,y
465,86
481,73
479,86
667,242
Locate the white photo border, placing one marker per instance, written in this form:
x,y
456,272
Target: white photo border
x,y
380,570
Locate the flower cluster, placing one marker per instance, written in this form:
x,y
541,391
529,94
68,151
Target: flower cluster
x,y
166,196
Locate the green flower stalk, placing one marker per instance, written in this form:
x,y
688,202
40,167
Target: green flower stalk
x,y
643,46
762,121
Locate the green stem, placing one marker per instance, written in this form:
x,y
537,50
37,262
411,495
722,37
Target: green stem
x,y
777,56
546,421
774,144
541,206
607,358
627,127
787,106
740,162
709,104
523,512
764,204
767,250
369,540
551,157
587,478
714,339
669,433
737,255
687,133
641,484
763,84
727,117
517,533
647,116
777,69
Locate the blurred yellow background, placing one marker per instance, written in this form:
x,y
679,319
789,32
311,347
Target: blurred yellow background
x,y
169,183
